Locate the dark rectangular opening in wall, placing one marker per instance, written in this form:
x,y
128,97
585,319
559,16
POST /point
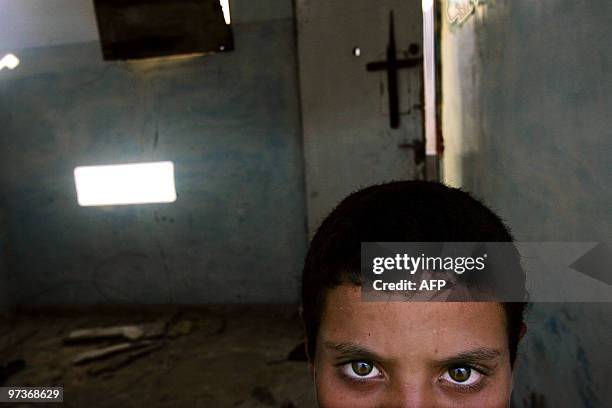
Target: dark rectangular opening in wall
x,y
134,29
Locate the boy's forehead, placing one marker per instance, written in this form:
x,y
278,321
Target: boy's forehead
x,y
421,327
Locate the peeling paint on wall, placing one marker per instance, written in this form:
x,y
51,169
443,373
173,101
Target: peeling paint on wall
x,y
526,127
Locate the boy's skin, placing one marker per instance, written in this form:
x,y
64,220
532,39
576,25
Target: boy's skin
x,y
410,348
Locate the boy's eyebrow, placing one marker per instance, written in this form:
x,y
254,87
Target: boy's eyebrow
x,y
477,355
353,351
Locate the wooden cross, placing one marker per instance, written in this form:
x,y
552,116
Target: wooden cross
x,y
392,65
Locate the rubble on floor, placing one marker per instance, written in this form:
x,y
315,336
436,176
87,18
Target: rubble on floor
x,y
215,356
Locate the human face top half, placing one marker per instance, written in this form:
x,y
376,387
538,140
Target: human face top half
x,y
410,354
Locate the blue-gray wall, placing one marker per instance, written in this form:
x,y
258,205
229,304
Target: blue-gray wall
x,y
527,125
230,122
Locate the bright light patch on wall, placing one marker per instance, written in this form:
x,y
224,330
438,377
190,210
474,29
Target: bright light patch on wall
x,y
9,61
226,11
429,77
121,184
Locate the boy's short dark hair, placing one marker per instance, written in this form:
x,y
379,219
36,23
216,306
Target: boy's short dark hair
x,y
403,211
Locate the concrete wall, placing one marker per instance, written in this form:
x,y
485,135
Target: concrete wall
x,y
4,290
230,123
348,142
526,124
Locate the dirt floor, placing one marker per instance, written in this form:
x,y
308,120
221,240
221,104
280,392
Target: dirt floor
x,y
217,356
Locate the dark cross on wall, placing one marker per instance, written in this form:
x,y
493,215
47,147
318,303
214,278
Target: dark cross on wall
x,y
392,65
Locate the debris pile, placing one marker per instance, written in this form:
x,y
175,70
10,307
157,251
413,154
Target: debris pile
x,y
117,346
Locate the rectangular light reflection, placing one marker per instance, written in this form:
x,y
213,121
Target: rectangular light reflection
x,y
121,184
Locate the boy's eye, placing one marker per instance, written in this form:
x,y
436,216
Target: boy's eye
x,y
361,369
462,375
